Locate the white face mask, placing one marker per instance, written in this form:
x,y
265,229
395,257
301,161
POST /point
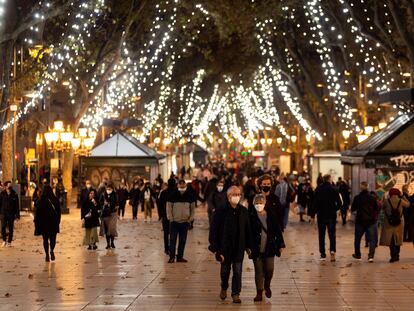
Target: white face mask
x,y
259,207
182,190
235,199
220,188
108,191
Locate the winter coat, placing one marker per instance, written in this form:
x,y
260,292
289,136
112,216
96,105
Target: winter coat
x,y
162,201
89,206
47,217
109,203
181,207
326,202
217,200
152,195
273,204
122,194
388,231
366,208
9,205
135,196
230,233
274,241
84,195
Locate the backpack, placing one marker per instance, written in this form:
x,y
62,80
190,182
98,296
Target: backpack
x,y
394,218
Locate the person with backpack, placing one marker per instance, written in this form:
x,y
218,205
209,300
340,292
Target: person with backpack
x,y
393,228
366,208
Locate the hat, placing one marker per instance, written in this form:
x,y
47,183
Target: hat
x,y
394,191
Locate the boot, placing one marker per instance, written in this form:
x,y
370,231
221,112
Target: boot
x,y
268,291
259,296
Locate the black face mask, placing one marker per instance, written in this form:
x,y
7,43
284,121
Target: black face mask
x,y
265,189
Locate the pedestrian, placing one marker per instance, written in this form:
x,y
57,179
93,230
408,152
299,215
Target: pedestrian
x,y
366,208
122,194
84,195
408,215
230,236
393,228
265,187
326,204
90,216
166,191
286,194
109,203
147,200
47,221
180,213
9,212
216,200
345,193
134,200
267,242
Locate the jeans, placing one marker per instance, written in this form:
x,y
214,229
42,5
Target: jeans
x,y
46,239
236,282
263,271
134,211
344,212
7,222
179,230
166,229
286,210
329,224
394,249
370,232
375,236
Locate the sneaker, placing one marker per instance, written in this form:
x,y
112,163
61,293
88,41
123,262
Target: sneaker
x,y
112,245
8,244
52,256
182,260
333,258
236,298
171,260
323,257
89,247
223,294
357,257
108,246
371,260
4,244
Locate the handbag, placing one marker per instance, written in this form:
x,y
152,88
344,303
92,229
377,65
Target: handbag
x,y
88,215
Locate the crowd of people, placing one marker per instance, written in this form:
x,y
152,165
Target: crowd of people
x,y
246,215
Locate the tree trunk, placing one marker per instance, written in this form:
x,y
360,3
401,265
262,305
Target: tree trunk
x,y
7,154
67,169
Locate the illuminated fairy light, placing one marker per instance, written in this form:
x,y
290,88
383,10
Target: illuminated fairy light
x,y
67,51
2,12
320,40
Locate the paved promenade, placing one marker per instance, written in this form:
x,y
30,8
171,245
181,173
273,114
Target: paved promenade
x,y
136,275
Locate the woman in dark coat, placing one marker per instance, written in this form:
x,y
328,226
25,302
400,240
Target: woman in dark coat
x,y
90,216
109,203
267,242
47,220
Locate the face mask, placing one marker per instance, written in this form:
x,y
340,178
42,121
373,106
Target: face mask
x,y
219,188
182,190
108,191
259,207
235,200
265,189
88,186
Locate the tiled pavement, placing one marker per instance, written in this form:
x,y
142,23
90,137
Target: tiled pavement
x,y
137,277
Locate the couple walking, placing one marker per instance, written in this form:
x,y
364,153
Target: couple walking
x,y
236,230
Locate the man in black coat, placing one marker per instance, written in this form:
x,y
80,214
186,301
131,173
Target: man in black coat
x,y
162,211
84,195
216,200
345,193
230,236
265,185
9,211
134,199
326,204
366,208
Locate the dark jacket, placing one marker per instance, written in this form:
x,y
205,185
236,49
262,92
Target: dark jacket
x,y
273,204
345,194
230,233
84,195
47,217
9,204
153,196
89,206
122,194
217,200
163,199
366,208
181,207
326,202
275,239
109,203
135,196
